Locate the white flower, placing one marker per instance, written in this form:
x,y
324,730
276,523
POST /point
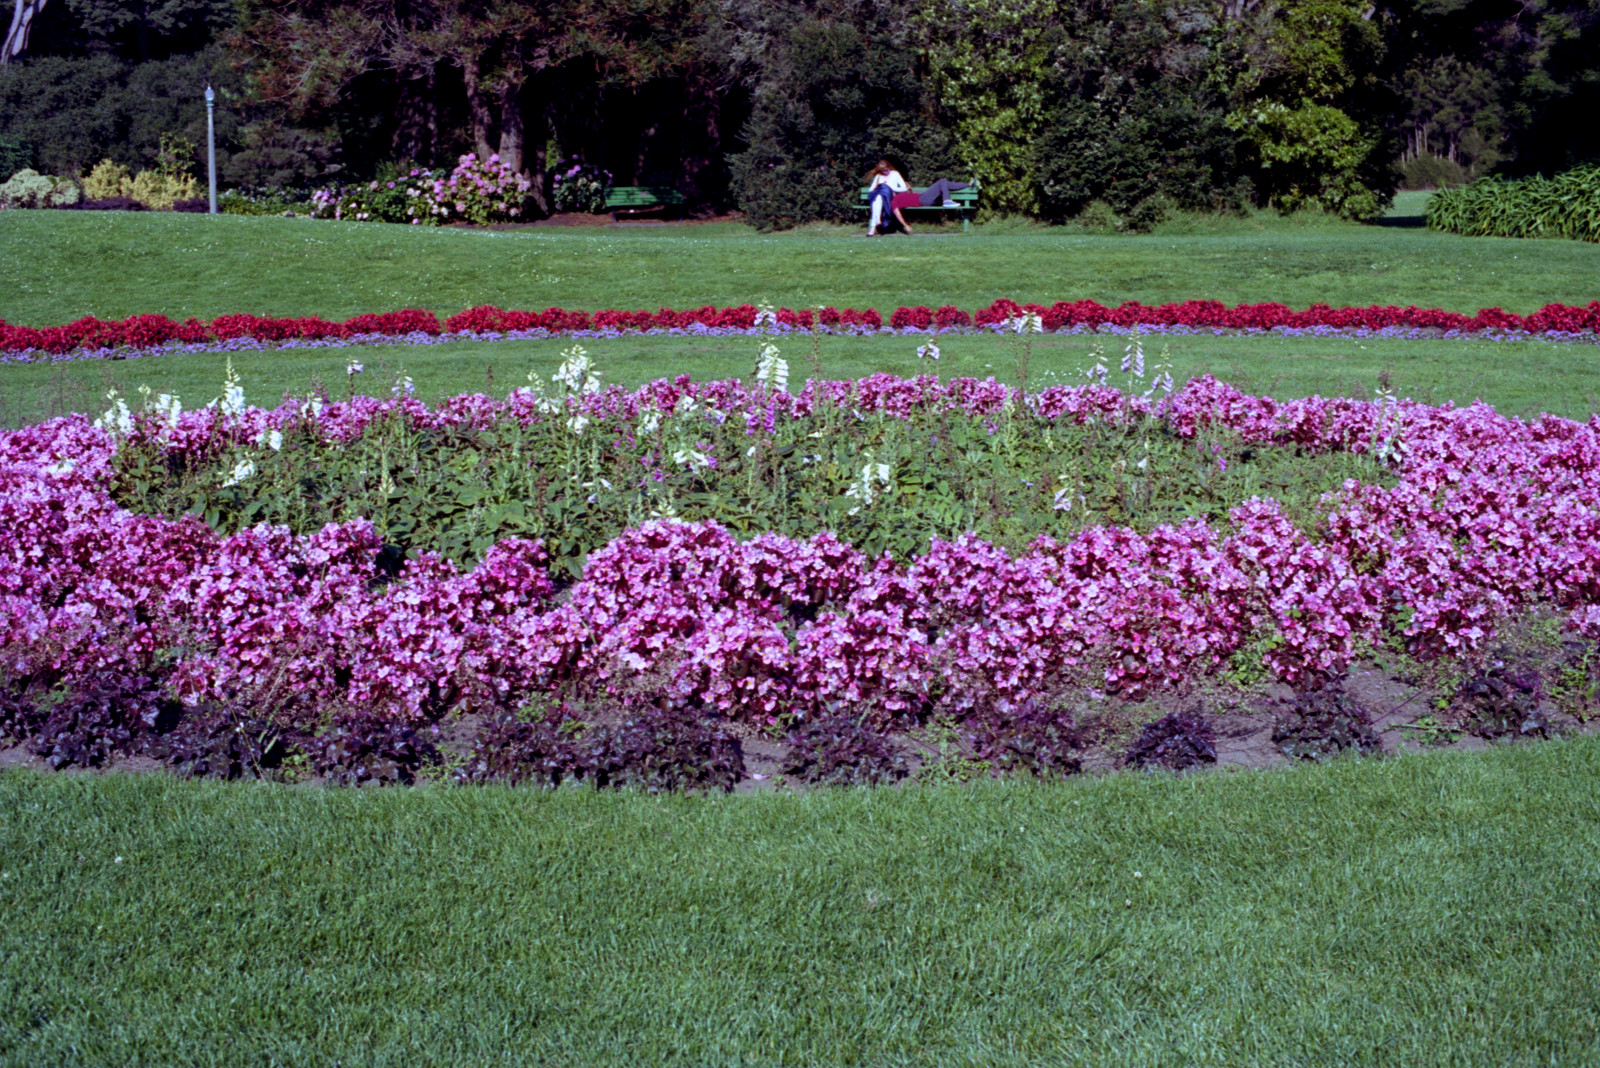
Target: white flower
x,y
272,439
772,370
168,405
61,467
874,478
231,403
1133,357
242,470
649,422
353,368
765,316
117,419
930,351
576,373
690,458
1026,323
577,423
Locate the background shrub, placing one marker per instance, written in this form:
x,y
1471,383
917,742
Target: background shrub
x,y
159,191
1567,205
108,179
30,189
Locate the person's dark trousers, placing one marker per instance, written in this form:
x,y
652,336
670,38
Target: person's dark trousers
x,y
884,193
940,191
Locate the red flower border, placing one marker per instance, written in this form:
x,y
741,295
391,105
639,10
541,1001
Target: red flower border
x,y
149,331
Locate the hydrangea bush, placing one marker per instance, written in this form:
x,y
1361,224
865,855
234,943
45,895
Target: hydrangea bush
x,y
475,191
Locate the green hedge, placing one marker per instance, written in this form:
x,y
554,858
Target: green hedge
x,y
1567,205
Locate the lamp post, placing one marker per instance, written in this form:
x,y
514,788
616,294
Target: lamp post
x,y
211,144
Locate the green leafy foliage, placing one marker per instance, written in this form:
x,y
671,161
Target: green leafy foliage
x,y
1009,479
1567,205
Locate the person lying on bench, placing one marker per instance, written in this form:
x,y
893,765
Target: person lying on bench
x,y
936,195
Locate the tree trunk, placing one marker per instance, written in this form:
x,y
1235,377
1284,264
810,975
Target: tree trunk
x,y
478,111
21,22
535,129
511,126
417,120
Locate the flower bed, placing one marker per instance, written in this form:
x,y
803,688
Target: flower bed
x,y
148,333
1484,515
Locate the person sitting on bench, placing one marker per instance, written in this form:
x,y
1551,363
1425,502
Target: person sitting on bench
x,y
936,195
883,183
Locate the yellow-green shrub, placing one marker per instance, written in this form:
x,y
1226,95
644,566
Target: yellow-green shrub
x,y
108,179
157,191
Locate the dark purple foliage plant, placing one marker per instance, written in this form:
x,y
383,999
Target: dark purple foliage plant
x,y
1177,741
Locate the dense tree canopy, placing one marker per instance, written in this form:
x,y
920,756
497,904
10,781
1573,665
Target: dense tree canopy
x,y
777,107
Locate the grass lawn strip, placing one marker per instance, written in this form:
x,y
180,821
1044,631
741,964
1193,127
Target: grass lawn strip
x,y
1435,910
58,266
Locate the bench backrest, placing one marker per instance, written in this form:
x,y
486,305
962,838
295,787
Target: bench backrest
x,y
641,196
967,198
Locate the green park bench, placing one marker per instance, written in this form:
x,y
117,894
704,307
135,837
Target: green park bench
x,y
634,199
966,204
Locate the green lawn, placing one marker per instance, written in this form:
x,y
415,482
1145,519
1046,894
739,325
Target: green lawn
x,y
1438,909
1517,377
1426,910
57,266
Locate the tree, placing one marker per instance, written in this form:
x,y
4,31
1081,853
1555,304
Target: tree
x,y
510,55
1312,110
16,40
1135,114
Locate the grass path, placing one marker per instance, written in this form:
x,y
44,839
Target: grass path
x,y
57,266
1424,910
1516,377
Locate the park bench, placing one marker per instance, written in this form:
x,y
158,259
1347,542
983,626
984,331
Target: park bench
x,y
634,199
966,204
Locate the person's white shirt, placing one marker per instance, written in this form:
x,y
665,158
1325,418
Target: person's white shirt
x,y
892,180
895,183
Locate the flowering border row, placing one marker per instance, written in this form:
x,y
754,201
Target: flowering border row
x,y
91,335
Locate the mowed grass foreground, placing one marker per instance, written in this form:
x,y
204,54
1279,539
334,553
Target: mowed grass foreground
x,y
1424,910
56,266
